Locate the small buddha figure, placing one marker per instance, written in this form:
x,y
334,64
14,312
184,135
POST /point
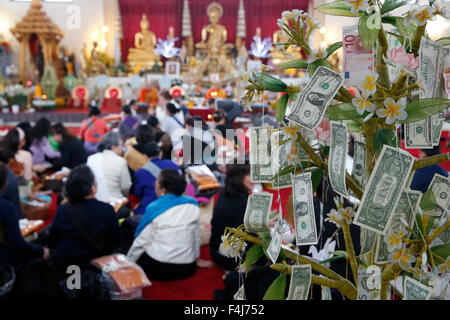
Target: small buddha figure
x,y
214,38
279,55
143,53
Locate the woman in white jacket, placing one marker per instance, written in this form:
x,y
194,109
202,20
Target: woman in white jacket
x,y
167,239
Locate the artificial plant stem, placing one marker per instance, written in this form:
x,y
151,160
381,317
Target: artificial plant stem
x,y
383,293
381,66
431,160
351,183
346,94
349,292
418,38
350,250
370,127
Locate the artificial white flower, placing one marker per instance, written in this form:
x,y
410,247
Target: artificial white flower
x,y
317,55
394,240
357,5
369,85
393,111
231,248
334,217
362,103
422,15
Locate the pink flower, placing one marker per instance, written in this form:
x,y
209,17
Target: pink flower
x,y
400,56
323,131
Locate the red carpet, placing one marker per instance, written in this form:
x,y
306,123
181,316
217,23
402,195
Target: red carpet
x,y
198,287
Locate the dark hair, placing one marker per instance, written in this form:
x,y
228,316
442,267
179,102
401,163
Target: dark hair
x,y
79,184
151,149
132,102
3,175
166,95
94,111
26,127
144,134
171,180
219,115
234,179
10,143
126,109
432,152
40,129
172,108
211,101
152,121
60,129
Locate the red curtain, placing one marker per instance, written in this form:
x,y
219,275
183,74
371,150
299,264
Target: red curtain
x,y
165,13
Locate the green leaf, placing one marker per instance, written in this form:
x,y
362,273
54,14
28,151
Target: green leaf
x,y
316,177
442,250
353,126
270,83
253,255
444,41
337,8
390,5
406,30
368,28
383,137
428,202
333,48
337,255
293,97
424,108
277,289
294,64
343,111
280,108
316,64
265,236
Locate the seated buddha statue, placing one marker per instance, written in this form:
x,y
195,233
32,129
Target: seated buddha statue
x,y
279,55
143,54
214,38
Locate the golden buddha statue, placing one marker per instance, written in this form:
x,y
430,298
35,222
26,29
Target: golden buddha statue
x,y
279,55
213,46
143,53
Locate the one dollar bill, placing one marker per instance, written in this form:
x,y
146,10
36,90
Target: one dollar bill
x,y
415,290
440,186
275,244
312,102
257,212
261,169
384,189
338,156
304,216
300,282
369,283
359,163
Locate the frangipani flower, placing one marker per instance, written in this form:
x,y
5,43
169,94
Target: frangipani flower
x,y
347,214
232,248
422,15
292,158
291,130
394,240
334,217
317,55
289,15
362,104
393,111
444,267
357,5
401,257
369,83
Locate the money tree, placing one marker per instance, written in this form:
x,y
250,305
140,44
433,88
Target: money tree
x,y
403,232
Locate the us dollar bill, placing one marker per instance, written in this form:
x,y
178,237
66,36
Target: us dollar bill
x,y
368,239
415,290
257,211
437,123
440,186
280,150
326,293
240,294
275,244
260,155
359,163
338,157
304,216
384,189
369,283
406,210
312,102
300,282
422,134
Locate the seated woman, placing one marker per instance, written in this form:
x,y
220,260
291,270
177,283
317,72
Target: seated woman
x,y
135,156
229,210
40,146
128,125
110,169
145,177
14,250
167,239
161,137
84,228
72,150
20,161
